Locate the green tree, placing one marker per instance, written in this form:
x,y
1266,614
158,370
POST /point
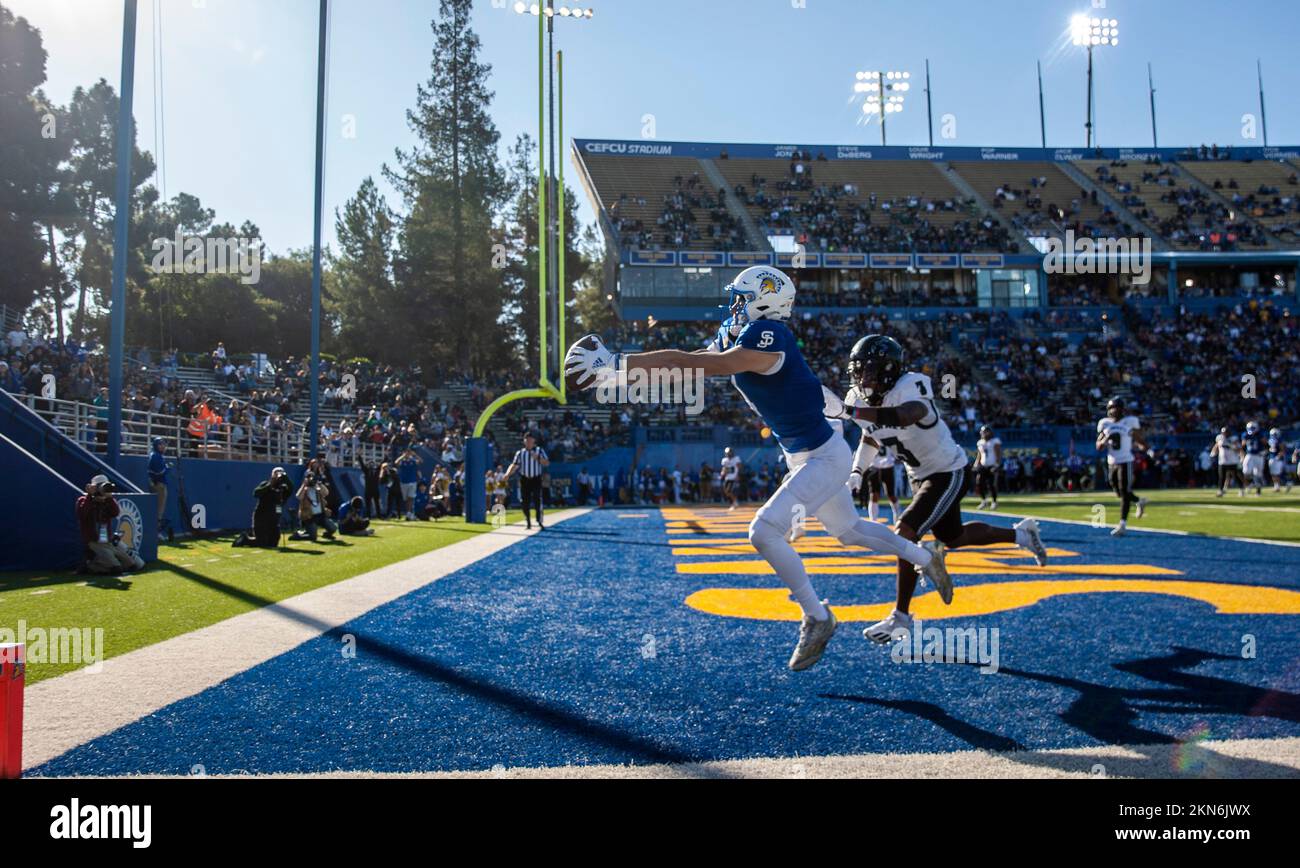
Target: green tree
x,y
33,192
449,297
363,296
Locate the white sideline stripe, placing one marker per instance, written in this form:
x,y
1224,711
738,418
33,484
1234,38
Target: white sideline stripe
x,y
1230,758
75,708
1131,529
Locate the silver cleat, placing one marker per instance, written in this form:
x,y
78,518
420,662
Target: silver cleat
x,y
1035,544
813,636
936,572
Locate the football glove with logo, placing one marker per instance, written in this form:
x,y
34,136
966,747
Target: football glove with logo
x,y
589,363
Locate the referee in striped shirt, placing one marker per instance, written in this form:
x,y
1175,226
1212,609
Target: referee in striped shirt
x,y
531,462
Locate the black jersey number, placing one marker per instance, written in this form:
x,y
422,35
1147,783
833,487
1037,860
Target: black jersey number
x,y
908,458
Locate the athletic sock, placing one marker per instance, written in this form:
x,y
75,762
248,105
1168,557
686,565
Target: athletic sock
x,y
873,509
870,535
778,552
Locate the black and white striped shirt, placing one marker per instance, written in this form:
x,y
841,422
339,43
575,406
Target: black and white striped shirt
x,y
530,462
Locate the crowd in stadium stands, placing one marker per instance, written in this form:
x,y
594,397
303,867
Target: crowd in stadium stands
x,y
834,218
1268,202
1199,219
1182,371
677,226
1036,211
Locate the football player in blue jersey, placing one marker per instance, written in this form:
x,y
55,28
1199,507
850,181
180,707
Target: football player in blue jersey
x,y
761,355
1252,462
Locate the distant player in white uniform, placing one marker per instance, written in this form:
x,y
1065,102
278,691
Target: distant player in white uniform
x,y
731,476
897,410
1227,451
988,458
1116,433
1277,461
767,367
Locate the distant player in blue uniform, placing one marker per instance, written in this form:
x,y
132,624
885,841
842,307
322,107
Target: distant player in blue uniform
x,y
1253,447
757,350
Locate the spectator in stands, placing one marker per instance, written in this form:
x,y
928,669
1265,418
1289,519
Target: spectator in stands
x,y
9,380
105,552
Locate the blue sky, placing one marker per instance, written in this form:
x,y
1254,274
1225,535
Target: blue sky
x,y
239,78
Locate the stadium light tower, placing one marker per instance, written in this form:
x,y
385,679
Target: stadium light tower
x,y
1089,32
886,92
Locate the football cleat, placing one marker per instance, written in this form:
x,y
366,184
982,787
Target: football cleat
x,y
796,531
897,626
936,572
1033,540
1141,506
984,504
813,636
1120,529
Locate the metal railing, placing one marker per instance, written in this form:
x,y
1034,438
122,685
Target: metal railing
x,y
87,425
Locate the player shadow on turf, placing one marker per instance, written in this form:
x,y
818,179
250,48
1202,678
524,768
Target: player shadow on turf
x,y
973,735
540,712
1109,714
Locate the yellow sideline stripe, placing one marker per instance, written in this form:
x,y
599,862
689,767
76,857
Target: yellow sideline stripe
x,y
871,564
774,604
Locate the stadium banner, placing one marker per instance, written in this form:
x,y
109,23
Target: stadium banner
x,y
748,258
938,260
891,260
984,260
787,260
652,257
844,260
702,258
722,151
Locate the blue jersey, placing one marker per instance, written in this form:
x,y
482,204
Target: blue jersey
x,y
1275,445
1252,444
157,468
789,399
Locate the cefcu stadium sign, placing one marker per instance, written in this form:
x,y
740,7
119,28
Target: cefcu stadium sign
x,y
719,150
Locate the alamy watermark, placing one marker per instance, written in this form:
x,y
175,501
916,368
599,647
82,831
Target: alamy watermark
x,y
1073,256
200,254
58,645
924,644
655,386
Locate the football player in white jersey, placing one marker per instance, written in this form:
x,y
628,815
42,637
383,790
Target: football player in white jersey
x,y
1277,460
1116,433
988,458
731,476
1227,451
897,409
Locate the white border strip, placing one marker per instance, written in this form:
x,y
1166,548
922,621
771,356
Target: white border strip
x,y
75,708
1131,529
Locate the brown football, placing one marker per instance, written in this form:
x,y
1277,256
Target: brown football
x,y
590,342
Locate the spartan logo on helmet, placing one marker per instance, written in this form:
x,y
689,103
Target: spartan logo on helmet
x,y
760,293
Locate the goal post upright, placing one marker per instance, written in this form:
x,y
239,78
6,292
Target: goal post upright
x,y
477,451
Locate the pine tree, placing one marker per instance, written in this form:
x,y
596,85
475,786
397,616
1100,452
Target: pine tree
x,y
449,299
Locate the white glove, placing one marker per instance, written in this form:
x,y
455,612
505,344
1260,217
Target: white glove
x,y
591,367
855,481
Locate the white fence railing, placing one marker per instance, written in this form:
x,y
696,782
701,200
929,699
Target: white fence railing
x,y
87,425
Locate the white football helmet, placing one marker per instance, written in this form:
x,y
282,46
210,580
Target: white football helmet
x,y
761,292
1252,427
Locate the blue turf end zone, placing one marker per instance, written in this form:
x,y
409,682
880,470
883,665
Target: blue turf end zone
x,y
576,647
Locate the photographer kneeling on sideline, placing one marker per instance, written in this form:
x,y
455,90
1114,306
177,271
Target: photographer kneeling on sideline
x,y
312,510
96,510
352,519
271,496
